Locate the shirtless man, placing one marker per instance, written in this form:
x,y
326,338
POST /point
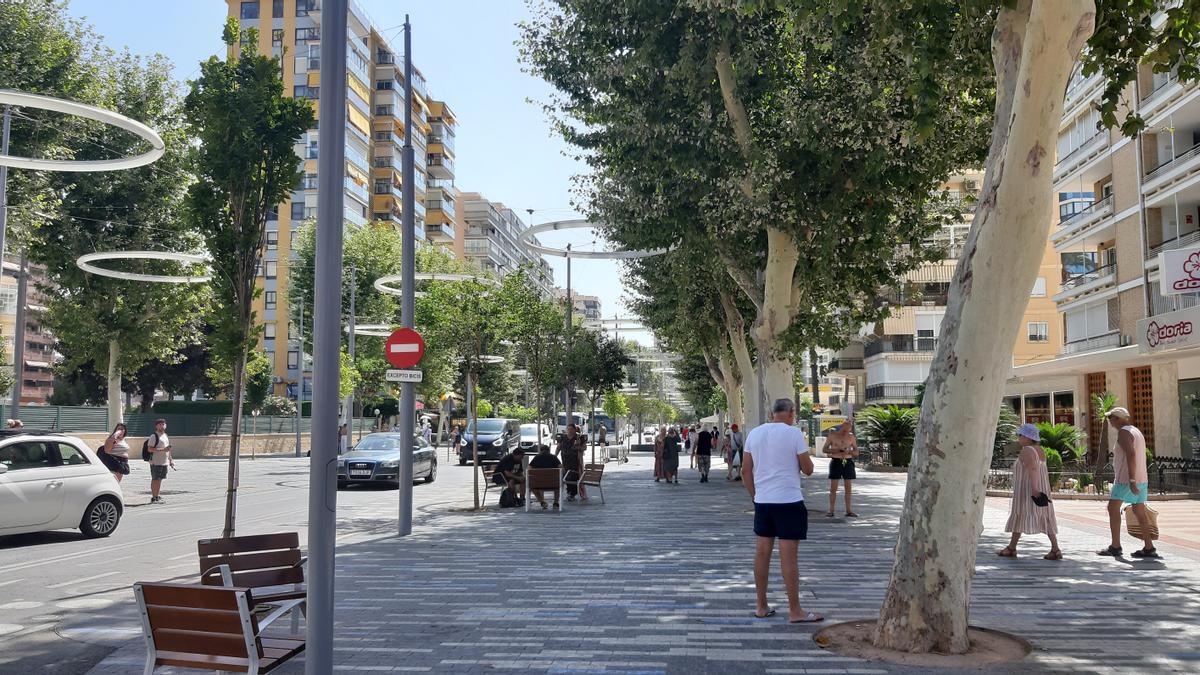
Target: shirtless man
x,y
842,448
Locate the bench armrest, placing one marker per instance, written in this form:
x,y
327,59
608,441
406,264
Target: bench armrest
x,y
226,574
283,608
303,562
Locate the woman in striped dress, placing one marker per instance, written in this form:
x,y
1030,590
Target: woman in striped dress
x,y
1031,481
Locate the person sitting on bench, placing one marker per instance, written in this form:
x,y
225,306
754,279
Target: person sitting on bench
x,y
545,460
510,472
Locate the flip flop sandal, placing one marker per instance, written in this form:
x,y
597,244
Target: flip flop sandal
x,y
1109,551
811,617
851,514
1053,555
829,514
1006,552
1143,553
770,613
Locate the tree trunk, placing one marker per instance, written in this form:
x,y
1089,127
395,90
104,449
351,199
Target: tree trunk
x,y
235,443
733,390
114,385
749,408
1034,47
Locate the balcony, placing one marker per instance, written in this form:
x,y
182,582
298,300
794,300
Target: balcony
x,y
440,232
1166,178
1088,150
440,166
353,215
357,190
846,365
353,132
1181,241
904,344
898,392
1107,341
1105,275
1080,222
1157,95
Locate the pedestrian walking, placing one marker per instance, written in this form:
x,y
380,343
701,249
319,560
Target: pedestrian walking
x,y
114,454
775,456
659,441
1130,484
671,448
737,444
426,430
1032,510
703,454
842,447
159,445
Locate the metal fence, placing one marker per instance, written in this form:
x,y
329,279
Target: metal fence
x,y
90,419
1167,475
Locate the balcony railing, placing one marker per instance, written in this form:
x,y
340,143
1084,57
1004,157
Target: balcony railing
x,y
357,189
840,364
1086,277
903,391
901,344
1149,101
1092,208
1106,341
1172,244
435,159
1082,146
1177,161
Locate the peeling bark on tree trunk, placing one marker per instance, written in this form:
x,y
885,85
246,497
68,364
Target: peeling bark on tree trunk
x,y
115,413
1035,45
735,329
775,372
733,390
235,444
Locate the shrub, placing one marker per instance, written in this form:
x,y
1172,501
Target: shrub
x,y
1064,439
893,425
1054,466
278,406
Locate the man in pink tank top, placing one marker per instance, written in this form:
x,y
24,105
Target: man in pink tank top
x,y
1130,483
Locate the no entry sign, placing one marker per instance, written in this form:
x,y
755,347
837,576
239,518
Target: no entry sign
x,y
404,348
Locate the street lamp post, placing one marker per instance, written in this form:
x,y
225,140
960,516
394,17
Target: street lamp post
x,y
408,271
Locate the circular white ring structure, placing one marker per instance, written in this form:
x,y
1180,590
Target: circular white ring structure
x,y
372,329
85,263
487,358
24,100
526,240
383,284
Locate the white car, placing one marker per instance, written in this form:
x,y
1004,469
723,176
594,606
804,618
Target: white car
x,y
50,481
649,434
529,436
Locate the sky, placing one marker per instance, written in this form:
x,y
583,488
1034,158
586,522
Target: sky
x,y
505,147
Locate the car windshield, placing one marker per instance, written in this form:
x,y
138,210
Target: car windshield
x,y
378,444
487,426
530,430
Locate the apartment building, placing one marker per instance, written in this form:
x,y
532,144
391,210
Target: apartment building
x,y
373,176
833,389
1128,219
37,374
586,306
888,361
490,230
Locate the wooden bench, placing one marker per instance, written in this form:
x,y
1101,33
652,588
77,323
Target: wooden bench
x,y
268,564
544,479
210,628
487,471
591,477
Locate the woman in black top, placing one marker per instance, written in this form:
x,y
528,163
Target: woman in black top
x,y
671,449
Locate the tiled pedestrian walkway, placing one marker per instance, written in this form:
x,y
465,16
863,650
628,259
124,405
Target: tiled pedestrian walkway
x,y
658,581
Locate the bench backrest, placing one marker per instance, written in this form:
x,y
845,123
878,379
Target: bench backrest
x,y
199,621
255,561
487,470
592,473
543,479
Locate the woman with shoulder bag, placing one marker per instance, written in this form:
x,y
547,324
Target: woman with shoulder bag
x,y
1032,510
114,454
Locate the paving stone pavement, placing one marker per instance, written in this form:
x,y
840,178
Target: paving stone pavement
x,y
659,581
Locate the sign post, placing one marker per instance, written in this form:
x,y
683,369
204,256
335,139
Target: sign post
x,y
404,349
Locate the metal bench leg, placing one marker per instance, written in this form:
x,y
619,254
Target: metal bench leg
x,y
601,489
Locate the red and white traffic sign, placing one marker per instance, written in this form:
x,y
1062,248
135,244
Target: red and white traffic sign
x,y
404,348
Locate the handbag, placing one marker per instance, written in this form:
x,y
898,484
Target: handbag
x,y
1040,499
1134,526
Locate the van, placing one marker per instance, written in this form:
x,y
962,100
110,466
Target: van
x,y
497,437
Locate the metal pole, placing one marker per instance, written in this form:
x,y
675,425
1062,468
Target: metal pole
x,y
350,349
327,343
570,311
300,380
18,368
19,334
408,403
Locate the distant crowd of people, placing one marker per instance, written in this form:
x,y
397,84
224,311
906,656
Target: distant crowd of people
x,y
700,443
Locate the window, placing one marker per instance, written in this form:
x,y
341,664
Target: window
x,y
8,299
305,91
1039,331
21,456
269,331
250,10
277,37
383,111
307,34
272,269
269,297
310,181
297,210
273,214
1039,288
277,9
293,361
384,84
303,7
70,455
383,187
272,240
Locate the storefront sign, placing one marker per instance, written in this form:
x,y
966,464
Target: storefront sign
x,y
1180,270
1173,330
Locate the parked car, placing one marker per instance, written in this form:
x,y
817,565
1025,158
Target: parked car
x,y
529,436
376,459
51,481
497,437
649,433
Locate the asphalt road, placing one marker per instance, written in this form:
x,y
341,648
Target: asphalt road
x,y
66,602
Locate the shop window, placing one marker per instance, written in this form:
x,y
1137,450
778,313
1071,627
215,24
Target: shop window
x,y
1037,408
1064,407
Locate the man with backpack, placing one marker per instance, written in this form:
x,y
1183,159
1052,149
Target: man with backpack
x,y
156,449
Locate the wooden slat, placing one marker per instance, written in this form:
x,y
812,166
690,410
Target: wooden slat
x,y
542,479
193,619
255,542
254,560
197,642
191,595
203,662
260,578
278,655
261,598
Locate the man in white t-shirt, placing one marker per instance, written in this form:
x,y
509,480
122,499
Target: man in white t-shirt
x,y
775,455
160,448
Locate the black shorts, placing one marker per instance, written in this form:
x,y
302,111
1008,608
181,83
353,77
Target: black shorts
x,y
114,463
785,521
840,469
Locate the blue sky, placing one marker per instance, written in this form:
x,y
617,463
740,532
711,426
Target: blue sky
x,y
505,146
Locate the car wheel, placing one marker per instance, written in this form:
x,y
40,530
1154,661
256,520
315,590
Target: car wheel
x,y
101,517
432,472
342,485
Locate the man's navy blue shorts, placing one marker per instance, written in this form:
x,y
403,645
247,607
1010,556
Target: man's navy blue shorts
x,y
785,521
